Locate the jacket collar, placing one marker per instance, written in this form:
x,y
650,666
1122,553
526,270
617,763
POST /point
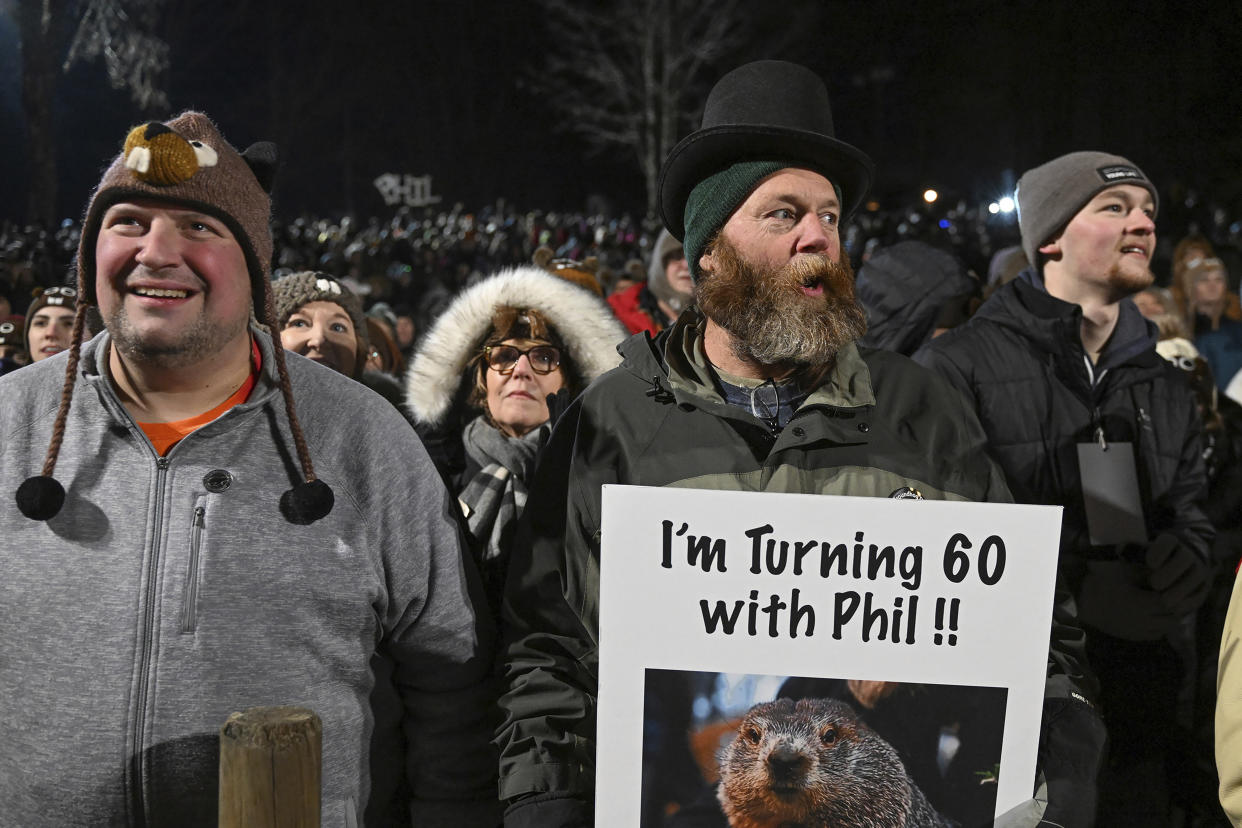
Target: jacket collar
x,y
677,356
1025,306
94,368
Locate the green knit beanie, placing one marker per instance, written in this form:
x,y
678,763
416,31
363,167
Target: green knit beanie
x,y
714,199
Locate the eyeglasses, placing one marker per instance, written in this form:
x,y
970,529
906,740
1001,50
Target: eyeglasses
x,y
765,403
543,359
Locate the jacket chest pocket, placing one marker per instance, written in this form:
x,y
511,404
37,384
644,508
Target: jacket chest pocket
x,y
198,531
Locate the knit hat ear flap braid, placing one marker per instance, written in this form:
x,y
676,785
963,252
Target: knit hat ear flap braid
x,y
40,497
311,499
186,163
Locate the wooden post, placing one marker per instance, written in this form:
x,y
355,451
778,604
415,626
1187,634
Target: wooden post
x,y
270,761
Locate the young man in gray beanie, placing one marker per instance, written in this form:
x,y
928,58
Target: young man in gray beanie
x,y
759,386
1079,410
171,554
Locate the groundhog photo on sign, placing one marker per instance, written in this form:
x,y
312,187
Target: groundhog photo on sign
x,y
813,763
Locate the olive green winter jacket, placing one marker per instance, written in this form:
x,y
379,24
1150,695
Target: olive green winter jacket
x,y
878,423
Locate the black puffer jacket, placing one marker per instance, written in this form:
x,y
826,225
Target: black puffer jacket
x,y
1020,361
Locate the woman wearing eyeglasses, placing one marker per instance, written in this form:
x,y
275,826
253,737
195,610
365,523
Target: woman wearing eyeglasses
x,y
478,388
519,373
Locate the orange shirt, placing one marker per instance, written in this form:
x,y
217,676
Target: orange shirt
x,y
166,435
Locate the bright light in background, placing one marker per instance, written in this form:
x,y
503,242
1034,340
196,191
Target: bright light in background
x,y
1006,204
944,224
930,196
993,208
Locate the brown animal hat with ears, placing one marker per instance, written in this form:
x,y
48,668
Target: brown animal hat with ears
x,y
290,293
57,297
584,274
185,163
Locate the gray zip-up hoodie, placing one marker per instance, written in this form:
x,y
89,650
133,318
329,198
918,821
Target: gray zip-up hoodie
x,y
170,592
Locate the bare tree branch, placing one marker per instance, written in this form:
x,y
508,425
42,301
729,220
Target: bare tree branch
x,y
619,72
57,33
122,32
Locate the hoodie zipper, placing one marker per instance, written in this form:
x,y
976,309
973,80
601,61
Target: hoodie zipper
x,y
189,613
145,646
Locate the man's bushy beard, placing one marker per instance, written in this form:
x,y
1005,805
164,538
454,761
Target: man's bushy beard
x,y
771,320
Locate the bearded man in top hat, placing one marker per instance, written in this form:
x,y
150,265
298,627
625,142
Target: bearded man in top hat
x,y
760,386
170,553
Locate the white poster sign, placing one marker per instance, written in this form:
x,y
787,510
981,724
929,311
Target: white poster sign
x,y
927,621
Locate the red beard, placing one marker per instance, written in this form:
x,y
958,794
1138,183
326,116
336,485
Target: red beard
x,y
771,318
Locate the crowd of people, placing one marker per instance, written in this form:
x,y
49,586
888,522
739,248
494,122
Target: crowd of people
x,y
233,525
419,258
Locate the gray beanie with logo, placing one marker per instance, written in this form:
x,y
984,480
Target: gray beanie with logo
x,y
1051,194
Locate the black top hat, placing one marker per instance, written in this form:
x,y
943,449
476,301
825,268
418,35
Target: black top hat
x,y
769,110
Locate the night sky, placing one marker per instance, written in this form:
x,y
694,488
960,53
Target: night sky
x,y
960,96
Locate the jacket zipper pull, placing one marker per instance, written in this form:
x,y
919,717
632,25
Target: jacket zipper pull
x,y
658,392
1099,427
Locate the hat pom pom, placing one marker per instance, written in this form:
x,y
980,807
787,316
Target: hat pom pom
x,y
306,502
40,498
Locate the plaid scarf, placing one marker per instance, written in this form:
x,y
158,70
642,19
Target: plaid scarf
x,y
496,495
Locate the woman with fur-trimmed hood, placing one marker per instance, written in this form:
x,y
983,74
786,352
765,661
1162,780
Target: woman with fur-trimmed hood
x,y
478,389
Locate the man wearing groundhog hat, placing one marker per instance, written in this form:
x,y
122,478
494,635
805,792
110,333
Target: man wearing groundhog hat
x,y
758,387
171,553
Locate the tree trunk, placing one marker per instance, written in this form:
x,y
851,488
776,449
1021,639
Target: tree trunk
x,y
39,71
649,141
670,102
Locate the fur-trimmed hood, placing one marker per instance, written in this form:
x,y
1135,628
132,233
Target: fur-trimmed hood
x,y
583,321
